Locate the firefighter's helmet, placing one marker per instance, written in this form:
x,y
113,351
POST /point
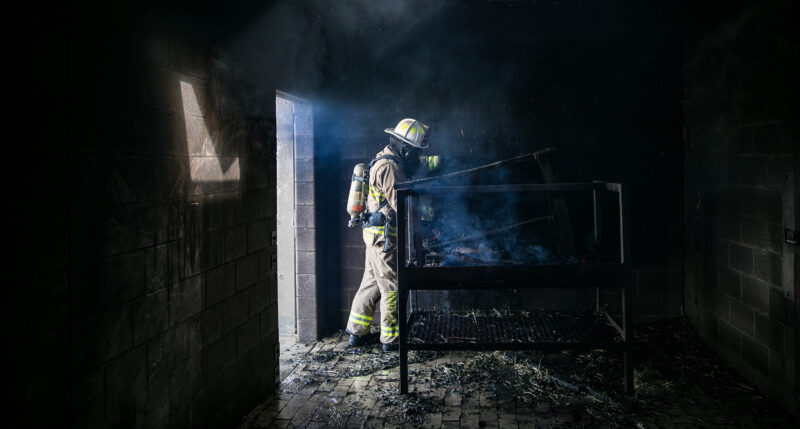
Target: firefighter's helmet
x,y
412,132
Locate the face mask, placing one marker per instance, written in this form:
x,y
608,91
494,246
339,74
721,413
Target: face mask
x,y
410,156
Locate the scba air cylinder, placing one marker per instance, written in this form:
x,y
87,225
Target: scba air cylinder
x,y
358,193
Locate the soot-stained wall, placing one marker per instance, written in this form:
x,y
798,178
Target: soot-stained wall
x,y
602,83
138,266
741,144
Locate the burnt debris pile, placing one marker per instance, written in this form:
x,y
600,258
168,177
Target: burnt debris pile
x,y
480,230
675,375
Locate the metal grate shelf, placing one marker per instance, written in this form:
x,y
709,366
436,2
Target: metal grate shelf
x,y
427,330
428,327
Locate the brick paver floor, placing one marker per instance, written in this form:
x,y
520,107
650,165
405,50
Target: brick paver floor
x,y
327,384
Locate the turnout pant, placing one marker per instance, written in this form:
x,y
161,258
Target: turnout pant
x,y
379,283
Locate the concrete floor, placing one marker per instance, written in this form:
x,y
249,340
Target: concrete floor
x,y
326,384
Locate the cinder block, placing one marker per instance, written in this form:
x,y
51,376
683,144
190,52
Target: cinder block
x,y
206,403
306,262
305,217
126,375
152,405
304,169
185,299
351,278
265,262
269,321
306,307
306,285
156,267
755,355
720,251
780,309
353,257
156,89
150,315
730,282
307,330
259,235
720,305
200,252
247,271
157,363
305,239
742,317
769,267
101,338
189,55
182,342
235,245
304,146
258,297
220,283
729,337
124,278
303,124
221,354
211,324
742,258
273,289
760,203
770,334
234,311
755,293
762,234
304,193
185,380
247,336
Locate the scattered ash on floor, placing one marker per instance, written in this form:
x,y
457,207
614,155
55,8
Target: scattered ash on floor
x,y
332,365
675,374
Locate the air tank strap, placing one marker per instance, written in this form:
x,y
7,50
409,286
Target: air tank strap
x,y
389,157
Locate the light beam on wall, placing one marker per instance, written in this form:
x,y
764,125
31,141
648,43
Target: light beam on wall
x,y
204,161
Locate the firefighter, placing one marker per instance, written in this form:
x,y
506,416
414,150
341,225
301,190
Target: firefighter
x,y
394,164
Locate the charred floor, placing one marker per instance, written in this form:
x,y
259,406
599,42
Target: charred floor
x,y
679,383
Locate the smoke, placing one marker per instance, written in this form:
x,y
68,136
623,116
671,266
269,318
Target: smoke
x,y
493,228
385,61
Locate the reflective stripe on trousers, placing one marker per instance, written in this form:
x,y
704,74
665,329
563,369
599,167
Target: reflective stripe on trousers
x,y
360,319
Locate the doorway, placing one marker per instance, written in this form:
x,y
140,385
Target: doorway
x,y
295,218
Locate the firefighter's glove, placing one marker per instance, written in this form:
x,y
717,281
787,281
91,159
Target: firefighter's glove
x,y
376,219
388,241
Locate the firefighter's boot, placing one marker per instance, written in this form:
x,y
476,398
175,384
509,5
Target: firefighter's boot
x,y
355,339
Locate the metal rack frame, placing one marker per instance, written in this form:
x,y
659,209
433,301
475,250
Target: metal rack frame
x,y
601,275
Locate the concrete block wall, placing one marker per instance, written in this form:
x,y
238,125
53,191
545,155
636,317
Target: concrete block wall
x,y
741,146
309,308
142,290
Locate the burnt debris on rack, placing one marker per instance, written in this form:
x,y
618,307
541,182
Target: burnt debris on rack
x,y
539,330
